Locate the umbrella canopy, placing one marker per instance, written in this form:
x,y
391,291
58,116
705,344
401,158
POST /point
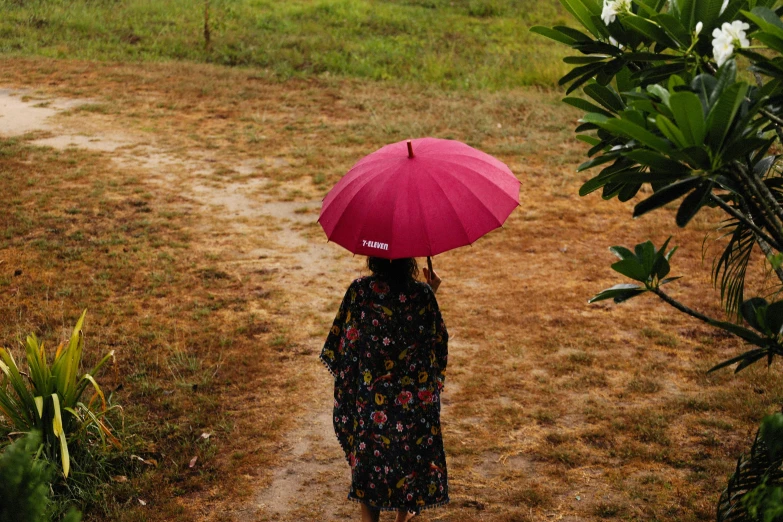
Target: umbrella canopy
x,y
418,198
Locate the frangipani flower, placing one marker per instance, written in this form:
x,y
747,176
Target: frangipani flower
x,y
612,8
726,38
699,27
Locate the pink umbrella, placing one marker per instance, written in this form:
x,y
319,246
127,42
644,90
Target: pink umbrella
x,y
418,198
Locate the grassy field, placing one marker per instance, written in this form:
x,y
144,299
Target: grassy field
x,y
216,307
465,44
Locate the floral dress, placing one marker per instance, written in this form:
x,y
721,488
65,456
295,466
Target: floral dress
x,y
387,351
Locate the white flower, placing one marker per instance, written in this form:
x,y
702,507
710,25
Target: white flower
x,y
736,30
726,38
699,27
612,8
722,50
723,7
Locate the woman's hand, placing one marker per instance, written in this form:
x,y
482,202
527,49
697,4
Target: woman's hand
x,y
432,279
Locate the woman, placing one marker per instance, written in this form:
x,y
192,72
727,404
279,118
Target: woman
x,y
387,351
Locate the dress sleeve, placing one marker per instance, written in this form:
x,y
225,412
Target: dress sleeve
x,y
334,354
440,344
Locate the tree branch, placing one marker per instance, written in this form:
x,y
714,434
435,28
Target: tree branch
x,y
682,308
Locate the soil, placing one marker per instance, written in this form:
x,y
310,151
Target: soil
x,y
553,409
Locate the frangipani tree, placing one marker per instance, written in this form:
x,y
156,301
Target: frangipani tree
x,y
667,106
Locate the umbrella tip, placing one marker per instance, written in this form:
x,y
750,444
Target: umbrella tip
x,y
410,149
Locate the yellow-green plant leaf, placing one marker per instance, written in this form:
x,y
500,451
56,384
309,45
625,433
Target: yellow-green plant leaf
x,y
57,428
39,405
88,377
57,422
66,457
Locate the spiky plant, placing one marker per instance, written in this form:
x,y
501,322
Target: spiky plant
x,y
48,398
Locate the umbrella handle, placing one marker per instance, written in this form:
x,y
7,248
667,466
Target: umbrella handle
x,y
429,265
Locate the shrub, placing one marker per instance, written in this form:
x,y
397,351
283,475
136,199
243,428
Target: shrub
x,y
24,483
48,398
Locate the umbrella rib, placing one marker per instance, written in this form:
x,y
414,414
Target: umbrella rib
x,y
459,218
350,201
368,208
424,222
479,173
476,198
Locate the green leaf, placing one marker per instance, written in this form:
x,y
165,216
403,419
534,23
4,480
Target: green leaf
x,y
671,131
552,34
590,140
648,57
645,253
722,114
619,293
765,18
657,161
772,433
640,134
584,11
576,72
632,268
689,116
752,355
753,311
692,203
628,191
727,75
772,41
683,10
606,96
621,252
599,160
707,11
579,36
673,28
650,30
774,317
666,195
586,106
580,60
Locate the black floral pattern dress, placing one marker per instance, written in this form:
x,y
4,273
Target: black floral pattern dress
x,y
387,351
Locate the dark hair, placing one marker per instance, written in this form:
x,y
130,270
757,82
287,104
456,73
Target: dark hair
x,y
394,271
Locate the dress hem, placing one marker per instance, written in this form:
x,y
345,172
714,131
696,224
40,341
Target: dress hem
x,y
321,357
345,451
417,509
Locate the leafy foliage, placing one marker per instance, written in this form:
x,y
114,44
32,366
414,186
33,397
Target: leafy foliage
x,y
667,108
24,483
755,490
48,398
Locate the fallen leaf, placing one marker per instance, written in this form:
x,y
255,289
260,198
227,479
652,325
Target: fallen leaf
x,y
120,478
142,502
206,435
193,461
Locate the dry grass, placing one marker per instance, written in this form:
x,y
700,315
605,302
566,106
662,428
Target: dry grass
x,y
554,408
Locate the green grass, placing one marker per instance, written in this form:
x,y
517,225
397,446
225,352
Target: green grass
x,y
463,44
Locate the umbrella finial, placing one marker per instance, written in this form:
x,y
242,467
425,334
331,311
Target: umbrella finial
x,y
410,149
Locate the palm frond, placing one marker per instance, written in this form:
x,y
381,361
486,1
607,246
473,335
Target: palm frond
x,y
729,269
757,469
